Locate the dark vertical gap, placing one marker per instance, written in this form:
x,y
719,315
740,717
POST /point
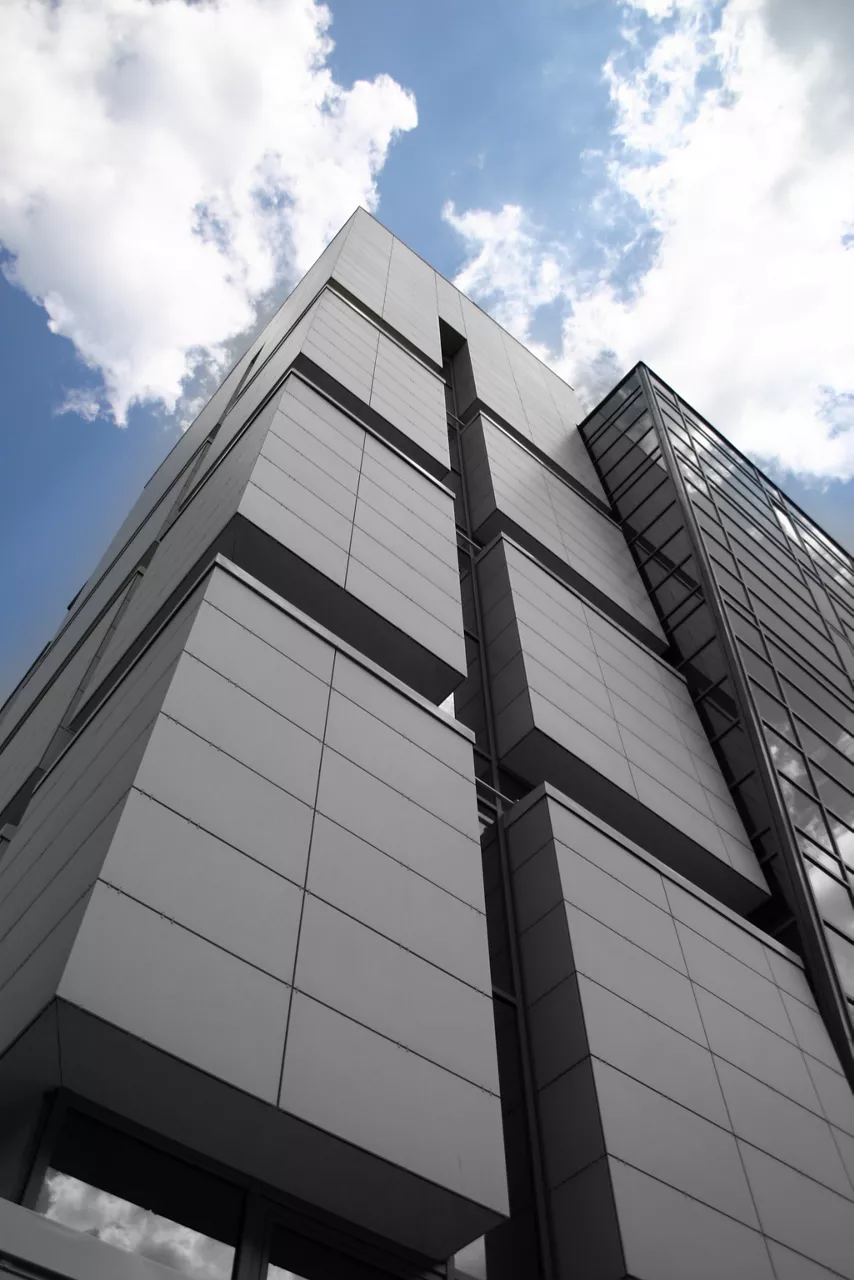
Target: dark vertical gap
x,y
510,1012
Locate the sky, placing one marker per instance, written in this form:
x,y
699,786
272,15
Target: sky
x,y
666,180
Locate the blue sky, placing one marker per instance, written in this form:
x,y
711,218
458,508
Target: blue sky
x,y
660,180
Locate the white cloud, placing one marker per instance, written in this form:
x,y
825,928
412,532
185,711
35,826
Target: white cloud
x,y
133,1229
510,270
164,165
83,403
727,153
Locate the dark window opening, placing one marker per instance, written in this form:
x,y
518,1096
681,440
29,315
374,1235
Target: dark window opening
x,y
111,1186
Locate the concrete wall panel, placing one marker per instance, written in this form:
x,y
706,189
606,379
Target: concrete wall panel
x,y
688,1132
515,485
564,672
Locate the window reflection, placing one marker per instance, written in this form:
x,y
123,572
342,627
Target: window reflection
x,y
138,1198
843,838
832,900
806,814
133,1229
816,853
788,629
789,761
843,954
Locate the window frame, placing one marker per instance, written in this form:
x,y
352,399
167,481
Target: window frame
x,y
263,1209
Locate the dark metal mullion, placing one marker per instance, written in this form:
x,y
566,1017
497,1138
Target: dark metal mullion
x,y
633,444
660,548
645,498
756,552
831,997
795,715
253,1246
718,737
717,451
54,1109
768,658
710,689
791,648
795,513
830,633
614,424
630,542
695,652
785,602
744,496
671,572
609,422
743,517
814,672
646,463
667,616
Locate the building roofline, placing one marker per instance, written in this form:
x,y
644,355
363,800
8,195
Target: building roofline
x,y
848,556
462,295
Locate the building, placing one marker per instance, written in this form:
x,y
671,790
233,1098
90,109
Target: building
x,y
427,843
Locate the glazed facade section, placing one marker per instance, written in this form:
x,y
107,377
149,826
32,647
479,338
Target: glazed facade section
x,y
396,878
760,605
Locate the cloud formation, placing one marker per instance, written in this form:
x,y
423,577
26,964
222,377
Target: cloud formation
x,y
133,1229
165,165
740,180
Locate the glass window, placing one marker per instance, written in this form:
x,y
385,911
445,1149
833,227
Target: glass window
x,y
785,523
624,439
806,814
634,492
766,563
139,1199
744,626
661,391
843,954
772,710
781,614
713,534
696,484
796,639
636,424
823,600
843,838
294,1256
832,899
829,759
755,666
736,519
781,579
837,798
827,725
677,432
787,759
624,469
802,681
731,585
816,854
612,407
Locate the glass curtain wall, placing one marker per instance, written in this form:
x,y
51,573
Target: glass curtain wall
x,y
788,594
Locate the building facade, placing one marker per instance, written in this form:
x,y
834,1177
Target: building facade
x,y
426,846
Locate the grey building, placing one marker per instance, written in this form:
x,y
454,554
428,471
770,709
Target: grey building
x,y
426,847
